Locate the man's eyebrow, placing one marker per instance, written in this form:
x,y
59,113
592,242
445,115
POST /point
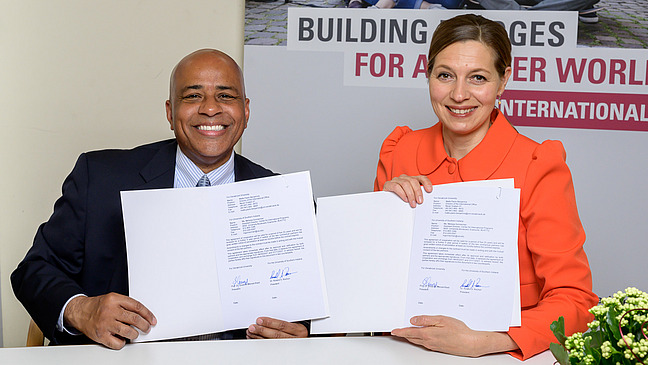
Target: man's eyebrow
x,y
225,87
193,87
219,87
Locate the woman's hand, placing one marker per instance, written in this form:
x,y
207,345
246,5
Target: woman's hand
x,y
452,336
408,188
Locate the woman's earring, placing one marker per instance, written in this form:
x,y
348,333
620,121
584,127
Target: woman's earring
x,y
499,102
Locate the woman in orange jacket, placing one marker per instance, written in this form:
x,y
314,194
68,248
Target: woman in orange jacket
x,y
468,67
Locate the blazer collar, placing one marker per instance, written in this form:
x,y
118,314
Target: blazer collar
x,y
160,170
242,170
478,164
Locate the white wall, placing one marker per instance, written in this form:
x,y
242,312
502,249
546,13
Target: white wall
x,y
79,75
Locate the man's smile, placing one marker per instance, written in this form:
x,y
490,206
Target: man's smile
x,y
218,127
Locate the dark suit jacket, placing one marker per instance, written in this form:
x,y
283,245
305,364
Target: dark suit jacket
x,y
82,249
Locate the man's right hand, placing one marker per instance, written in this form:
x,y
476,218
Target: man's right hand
x,y
109,319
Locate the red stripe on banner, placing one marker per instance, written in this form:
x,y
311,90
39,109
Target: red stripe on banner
x,y
625,112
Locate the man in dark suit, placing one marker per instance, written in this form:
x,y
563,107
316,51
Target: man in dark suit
x,y
74,280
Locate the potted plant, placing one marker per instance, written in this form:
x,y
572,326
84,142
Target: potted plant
x,y
617,335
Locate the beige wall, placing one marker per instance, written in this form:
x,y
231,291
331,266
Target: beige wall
x,y
77,75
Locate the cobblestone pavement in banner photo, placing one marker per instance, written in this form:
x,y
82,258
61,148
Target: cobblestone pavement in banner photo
x,y
622,23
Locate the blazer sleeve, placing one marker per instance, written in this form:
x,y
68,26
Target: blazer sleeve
x,y
386,157
45,279
555,239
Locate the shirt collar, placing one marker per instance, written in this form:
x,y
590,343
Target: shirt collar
x,y
187,173
478,164
431,153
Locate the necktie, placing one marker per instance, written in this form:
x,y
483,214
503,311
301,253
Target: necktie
x,y
204,181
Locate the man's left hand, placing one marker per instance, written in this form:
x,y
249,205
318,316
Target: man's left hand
x,y
266,327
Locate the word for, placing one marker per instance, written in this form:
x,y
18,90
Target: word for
x,y
379,65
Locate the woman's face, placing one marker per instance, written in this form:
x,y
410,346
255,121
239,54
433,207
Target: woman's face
x,y
464,85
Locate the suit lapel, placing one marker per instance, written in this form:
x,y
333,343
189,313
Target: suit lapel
x,y
160,171
242,170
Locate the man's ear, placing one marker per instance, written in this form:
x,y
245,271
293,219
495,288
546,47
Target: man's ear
x,y
247,111
169,113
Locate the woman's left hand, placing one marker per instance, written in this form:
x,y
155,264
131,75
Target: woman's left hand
x,y
452,336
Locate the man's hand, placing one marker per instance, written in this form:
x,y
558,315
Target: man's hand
x,y
109,319
408,188
274,328
452,336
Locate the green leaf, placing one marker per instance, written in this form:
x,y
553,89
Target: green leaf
x,y
613,323
590,349
558,329
596,338
597,356
559,353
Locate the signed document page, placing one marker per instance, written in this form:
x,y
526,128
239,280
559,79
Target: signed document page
x,y
366,241
210,259
456,255
463,260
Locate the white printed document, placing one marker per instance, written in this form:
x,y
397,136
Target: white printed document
x,y
454,255
211,259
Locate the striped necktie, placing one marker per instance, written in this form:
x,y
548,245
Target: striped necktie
x,y
204,181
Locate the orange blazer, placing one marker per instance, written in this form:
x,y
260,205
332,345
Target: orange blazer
x,y
555,278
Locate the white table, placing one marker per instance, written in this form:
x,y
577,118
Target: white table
x,y
322,350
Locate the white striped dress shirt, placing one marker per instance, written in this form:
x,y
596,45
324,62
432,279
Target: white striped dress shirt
x,y
187,173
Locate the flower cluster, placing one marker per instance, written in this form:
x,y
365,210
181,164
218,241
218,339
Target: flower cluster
x,y
617,335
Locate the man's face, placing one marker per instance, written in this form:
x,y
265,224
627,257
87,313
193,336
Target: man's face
x,y
207,107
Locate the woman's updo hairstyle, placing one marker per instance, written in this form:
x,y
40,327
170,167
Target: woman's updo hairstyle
x,y
471,27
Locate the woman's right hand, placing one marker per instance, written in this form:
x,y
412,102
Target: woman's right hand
x,y
408,188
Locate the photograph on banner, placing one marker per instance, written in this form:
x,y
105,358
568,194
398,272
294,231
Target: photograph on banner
x,y
602,23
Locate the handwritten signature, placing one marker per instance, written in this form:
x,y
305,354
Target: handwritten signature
x,y
281,273
428,283
472,284
238,282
